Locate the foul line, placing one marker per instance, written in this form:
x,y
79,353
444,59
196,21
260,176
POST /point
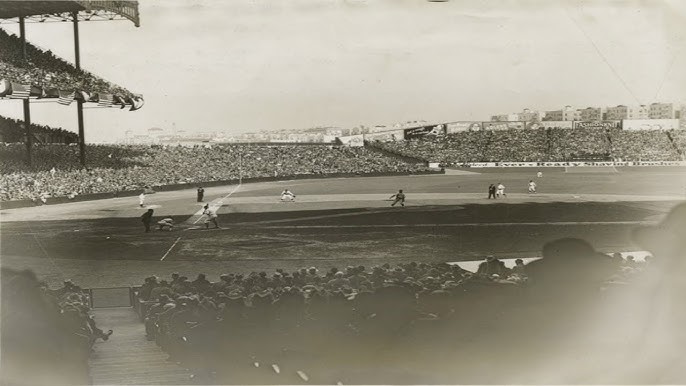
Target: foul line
x,y
170,248
216,204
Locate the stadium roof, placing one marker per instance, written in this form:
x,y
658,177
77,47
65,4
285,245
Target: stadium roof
x,y
40,11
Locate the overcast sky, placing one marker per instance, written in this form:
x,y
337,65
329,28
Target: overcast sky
x,y
245,65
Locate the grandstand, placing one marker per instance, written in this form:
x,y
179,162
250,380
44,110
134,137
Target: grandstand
x,y
542,145
29,72
111,273
12,131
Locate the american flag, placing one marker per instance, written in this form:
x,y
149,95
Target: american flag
x,y
105,100
119,101
66,99
20,91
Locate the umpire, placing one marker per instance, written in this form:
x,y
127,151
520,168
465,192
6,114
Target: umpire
x,y
146,218
201,193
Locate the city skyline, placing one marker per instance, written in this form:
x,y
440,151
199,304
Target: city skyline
x,y
350,63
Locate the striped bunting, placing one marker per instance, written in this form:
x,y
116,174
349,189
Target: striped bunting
x,y
105,100
66,99
20,91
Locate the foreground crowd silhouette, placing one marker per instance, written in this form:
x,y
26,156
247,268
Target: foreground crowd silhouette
x,y
576,316
47,335
114,168
358,325
544,145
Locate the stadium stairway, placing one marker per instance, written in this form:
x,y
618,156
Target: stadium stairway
x,y
128,358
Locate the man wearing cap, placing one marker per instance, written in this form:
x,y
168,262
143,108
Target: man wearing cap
x,y
166,223
399,198
146,218
492,266
211,217
287,195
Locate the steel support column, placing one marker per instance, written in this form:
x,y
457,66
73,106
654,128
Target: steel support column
x,y
26,102
79,102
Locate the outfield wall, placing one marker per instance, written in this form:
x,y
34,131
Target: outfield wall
x,y
569,164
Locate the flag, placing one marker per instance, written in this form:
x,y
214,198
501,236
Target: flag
x,y
119,101
20,91
137,102
105,100
66,99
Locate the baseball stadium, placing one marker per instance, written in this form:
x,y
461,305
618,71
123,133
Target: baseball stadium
x,y
463,252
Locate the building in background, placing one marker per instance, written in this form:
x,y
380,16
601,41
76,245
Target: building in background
x,y
566,114
530,116
662,111
505,117
628,112
526,116
591,114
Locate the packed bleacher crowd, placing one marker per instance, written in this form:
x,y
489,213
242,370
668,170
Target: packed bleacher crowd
x,y
678,137
643,145
542,145
331,325
47,335
56,172
13,131
48,71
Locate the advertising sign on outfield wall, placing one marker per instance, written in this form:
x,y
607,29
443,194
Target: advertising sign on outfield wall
x,y
386,136
550,125
572,164
424,131
492,125
650,124
352,140
597,124
456,127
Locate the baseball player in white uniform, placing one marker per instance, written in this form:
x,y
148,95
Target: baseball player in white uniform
x,y
501,190
287,195
167,222
532,186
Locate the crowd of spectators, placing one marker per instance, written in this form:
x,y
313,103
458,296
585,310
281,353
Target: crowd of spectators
x,y
56,172
648,145
540,145
678,137
578,144
522,145
13,131
48,71
47,335
332,324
